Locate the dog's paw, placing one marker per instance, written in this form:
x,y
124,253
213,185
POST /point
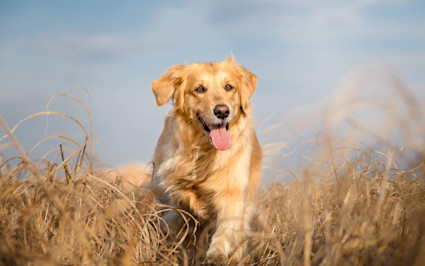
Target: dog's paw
x,y
218,253
215,259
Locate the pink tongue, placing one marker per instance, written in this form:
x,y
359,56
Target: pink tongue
x,y
220,138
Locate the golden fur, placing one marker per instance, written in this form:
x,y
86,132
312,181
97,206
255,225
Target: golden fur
x,y
190,172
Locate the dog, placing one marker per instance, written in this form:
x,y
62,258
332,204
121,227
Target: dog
x,y
208,158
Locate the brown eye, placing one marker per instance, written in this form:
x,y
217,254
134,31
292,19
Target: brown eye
x,y
200,89
228,87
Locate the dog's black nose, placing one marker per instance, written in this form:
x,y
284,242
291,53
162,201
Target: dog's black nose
x,y
221,111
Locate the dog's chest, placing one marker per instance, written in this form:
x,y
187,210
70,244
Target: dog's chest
x,y
204,164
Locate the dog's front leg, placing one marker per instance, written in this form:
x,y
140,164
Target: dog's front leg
x,y
231,226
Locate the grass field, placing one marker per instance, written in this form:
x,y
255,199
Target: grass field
x,y
350,205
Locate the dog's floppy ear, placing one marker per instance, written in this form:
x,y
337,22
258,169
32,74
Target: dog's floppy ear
x,y
165,86
249,84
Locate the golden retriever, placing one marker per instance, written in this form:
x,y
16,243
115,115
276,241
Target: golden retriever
x,y
208,159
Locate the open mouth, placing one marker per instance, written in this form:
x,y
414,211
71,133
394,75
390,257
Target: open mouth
x,y
218,134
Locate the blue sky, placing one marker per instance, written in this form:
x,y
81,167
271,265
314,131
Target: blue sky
x,y
300,51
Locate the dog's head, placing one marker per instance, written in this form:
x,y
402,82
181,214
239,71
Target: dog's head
x,y
215,94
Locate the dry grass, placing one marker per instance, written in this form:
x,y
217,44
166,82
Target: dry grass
x,y
351,205
346,212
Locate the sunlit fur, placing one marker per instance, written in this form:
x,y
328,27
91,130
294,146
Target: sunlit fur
x,y
190,172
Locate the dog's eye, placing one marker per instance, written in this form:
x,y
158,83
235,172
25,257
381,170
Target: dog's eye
x,y
228,87
200,89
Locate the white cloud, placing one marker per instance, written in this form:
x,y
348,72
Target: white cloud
x,y
87,47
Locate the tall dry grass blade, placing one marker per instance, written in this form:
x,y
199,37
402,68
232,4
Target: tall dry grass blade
x,y
81,103
67,175
80,158
9,134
